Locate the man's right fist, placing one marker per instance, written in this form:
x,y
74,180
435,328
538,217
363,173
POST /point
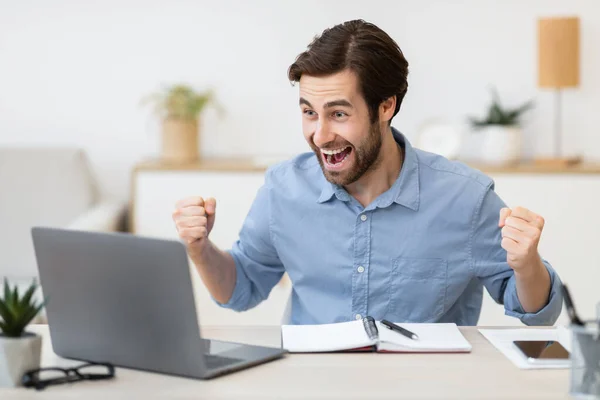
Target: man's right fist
x,y
194,218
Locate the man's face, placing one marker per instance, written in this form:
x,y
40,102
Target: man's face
x,y
336,125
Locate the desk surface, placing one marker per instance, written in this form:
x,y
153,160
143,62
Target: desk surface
x,y
482,374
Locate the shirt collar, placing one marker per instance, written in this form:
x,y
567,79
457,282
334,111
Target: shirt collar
x,y
404,191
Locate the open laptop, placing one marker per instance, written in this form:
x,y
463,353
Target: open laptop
x,y
128,300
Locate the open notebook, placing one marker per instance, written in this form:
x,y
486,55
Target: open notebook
x,y
370,335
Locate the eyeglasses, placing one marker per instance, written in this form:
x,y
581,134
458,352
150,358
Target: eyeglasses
x,y
43,377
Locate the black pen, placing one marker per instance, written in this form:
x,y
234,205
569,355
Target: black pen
x,y
399,329
575,320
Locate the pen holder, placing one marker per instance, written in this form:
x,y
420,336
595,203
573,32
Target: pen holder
x,y
585,361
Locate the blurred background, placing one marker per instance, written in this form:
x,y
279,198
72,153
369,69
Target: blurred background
x,y
510,87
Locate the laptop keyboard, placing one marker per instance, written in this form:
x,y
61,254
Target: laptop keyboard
x,y
213,362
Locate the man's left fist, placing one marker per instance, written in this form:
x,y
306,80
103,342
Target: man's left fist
x,y
521,232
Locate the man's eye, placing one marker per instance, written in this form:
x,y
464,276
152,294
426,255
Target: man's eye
x,y
309,113
340,114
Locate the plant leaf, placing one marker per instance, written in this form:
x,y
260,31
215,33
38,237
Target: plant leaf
x,y
11,331
476,123
180,101
514,115
6,291
31,314
496,97
5,313
27,296
520,110
497,115
17,312
11,303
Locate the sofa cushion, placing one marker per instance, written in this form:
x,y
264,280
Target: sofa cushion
x,y
38,186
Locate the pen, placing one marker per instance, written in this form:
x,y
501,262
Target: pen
x,y
399,329
570,307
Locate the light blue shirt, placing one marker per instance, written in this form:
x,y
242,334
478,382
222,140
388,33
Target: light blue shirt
x,y
420,252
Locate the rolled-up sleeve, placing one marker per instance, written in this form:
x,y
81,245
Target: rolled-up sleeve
x,y
258,267
489,263
548,314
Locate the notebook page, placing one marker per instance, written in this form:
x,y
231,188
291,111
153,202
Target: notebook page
x,y
325,337
432,338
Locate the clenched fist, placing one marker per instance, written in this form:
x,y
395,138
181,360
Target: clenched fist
x,y
194,219
521,231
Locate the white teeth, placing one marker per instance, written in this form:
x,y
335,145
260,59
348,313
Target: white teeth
x,y
331,152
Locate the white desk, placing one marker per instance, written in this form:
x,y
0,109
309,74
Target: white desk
x,y
482,374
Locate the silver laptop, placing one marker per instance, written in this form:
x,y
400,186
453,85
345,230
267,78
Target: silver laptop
x,y
128,300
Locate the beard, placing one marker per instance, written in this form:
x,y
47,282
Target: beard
x,y
366,158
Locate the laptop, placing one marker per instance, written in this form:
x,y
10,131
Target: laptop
x,y
128,300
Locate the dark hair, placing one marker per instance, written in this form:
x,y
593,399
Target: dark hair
x,y
366,50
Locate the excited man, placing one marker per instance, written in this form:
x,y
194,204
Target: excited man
x,y
366,224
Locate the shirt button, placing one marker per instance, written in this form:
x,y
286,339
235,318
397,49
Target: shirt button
x,y
358,316
363,217
361,269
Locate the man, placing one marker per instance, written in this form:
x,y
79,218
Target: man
x,y
369,225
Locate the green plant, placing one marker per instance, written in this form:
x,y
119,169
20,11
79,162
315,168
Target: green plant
x,y
497,115
181,101
16,311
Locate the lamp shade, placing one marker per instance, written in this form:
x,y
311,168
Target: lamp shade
x,y
558,52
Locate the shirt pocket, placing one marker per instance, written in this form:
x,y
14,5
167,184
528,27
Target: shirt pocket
x,y
418,289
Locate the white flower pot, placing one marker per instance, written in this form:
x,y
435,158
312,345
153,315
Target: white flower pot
x,y
500,145
18,355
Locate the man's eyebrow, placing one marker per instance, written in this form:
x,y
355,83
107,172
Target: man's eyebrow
x,y
304,101
330,104
338,103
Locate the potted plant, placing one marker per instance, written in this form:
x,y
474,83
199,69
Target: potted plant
x,y
179,106
501,132
20,351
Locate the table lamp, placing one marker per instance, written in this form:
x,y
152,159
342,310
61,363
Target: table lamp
x,y
558,68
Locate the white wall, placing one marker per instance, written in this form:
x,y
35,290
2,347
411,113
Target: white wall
x,y
73,72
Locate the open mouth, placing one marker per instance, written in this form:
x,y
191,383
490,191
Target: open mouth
x,y
336,158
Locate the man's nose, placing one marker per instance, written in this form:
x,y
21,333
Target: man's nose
x,y
323,134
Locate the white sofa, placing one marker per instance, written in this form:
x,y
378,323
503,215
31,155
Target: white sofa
x,y
48,187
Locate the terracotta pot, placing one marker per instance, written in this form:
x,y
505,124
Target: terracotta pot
x,y
18,355
180,140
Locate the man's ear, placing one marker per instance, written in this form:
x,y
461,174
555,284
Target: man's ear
x,y
386,109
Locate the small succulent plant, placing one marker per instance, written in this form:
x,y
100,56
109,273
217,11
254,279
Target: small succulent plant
x,y
497,115
17,311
